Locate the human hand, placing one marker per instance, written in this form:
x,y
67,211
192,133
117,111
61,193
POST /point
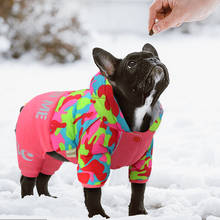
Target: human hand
x,y
164,14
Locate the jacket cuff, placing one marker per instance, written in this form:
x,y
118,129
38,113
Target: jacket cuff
x,y
93,186
139,181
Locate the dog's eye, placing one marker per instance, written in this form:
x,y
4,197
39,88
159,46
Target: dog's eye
x,y
131,64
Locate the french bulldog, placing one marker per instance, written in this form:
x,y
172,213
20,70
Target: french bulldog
x,y
132,87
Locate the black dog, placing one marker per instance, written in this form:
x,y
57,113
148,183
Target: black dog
x,y
137,82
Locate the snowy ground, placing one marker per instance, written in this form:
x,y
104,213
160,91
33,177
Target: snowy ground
x,y
185,182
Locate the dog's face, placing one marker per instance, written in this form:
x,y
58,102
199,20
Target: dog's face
x,y
136,77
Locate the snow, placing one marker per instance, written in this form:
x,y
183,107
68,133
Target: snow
x,y
185,181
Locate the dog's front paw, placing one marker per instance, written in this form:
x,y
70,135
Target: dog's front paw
x,y
98,211
137,210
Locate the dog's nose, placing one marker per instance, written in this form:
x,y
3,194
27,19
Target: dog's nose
x,y
158,73
158,70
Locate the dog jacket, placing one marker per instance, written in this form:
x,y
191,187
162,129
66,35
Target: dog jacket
x,y
87,127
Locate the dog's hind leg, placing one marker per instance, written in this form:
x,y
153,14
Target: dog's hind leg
x,y
42,184
27,186
48,168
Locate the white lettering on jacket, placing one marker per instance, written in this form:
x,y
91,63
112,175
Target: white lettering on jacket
x,y
43,111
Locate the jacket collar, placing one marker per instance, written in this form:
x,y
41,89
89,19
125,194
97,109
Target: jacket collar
x,y
101,89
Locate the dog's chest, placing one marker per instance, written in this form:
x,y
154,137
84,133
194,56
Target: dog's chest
x,y
140,112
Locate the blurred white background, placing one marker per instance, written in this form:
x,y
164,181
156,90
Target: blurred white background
x,y
185,181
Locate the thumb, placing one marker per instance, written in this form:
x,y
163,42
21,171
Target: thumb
x,y
165,23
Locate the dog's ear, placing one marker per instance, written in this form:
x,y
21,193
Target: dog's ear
x,y
151,49
105,61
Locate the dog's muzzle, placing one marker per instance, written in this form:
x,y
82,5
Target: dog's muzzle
x,y
157,79
157,74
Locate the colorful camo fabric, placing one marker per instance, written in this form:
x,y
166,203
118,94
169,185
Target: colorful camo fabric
x,y
86,124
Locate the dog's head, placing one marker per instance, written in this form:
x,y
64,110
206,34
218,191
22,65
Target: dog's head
x,y
137,76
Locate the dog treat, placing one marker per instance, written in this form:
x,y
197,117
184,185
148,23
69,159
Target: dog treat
x,y
151,32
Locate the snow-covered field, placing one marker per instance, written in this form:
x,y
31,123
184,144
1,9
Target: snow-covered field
x,y
185,181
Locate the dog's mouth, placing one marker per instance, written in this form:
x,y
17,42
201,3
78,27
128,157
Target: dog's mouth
x,y
154,83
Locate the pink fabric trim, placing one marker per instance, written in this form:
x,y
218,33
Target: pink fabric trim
x,y
93,186
139,181
29,173
131,147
